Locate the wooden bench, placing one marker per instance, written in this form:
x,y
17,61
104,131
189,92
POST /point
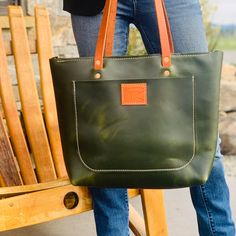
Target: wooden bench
x,y
33,179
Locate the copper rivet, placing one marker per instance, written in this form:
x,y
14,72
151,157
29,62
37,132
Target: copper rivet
x,y
97,76
98,62
166,73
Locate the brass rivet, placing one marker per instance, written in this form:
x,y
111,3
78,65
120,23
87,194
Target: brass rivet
x,y
166,59
98,62
97,76
166,73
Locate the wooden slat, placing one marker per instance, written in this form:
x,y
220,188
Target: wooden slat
x,y
29,98
4,22
136,222
154,212
30,206
38,207
8,171
13,121
17,190
2,182
45,52
133,192
9,50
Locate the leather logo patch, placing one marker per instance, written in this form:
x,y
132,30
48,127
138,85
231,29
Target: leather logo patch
x,y
134,94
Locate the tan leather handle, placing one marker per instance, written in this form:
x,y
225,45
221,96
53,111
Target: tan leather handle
x,y
111,29
102,35
106,33
170,39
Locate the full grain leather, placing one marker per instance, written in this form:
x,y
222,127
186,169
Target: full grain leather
x,y
167,140
167,144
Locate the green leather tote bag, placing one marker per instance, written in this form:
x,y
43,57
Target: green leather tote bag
x,y
138,122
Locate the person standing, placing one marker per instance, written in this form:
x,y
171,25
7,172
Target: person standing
x,y
210,200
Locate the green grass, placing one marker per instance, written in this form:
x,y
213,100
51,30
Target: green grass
x,y
226,43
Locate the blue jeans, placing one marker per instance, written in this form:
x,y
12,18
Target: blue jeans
x,y
211,200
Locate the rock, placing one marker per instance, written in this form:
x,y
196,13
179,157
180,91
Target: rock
x,y
227,130
227,124
229,72
228,96
230,165
54,7
63,38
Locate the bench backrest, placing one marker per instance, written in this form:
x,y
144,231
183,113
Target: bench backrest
x,y
35,139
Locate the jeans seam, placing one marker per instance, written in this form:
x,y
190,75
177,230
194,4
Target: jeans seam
x,y
134,8
127,205
211,221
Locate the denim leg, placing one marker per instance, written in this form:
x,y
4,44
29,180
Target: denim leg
x,y
123,19
185,22
110,205
85,30
110,211
211,200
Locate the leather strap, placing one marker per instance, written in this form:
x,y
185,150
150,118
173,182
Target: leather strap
x,y
163,32
106,33
168,29
111,30
102,35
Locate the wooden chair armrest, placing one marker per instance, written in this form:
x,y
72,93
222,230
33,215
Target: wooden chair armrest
x,y
18,190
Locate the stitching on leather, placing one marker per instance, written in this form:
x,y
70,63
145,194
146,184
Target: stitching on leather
x,y
61,60
129,79
209,215
137,170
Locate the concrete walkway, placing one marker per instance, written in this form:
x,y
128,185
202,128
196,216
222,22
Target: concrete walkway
x,y
180,214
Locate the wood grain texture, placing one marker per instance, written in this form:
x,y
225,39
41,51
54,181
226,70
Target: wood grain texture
x,y
29,23
18,190
133,192
29,98
4,22
8,171
136,222
14,125
9,49
154,212
41,206
45,52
